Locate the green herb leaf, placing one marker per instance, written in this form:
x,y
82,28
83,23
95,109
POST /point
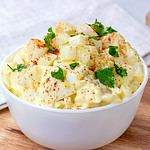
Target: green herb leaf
x,y
113,51
73,65
82,33
19,67
106,76
59,74
48,39
100,29
110,29
13,69
121,71
94,37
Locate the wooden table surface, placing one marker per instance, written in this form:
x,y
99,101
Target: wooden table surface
x,y
137,136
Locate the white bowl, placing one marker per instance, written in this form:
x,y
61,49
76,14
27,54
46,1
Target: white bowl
x,y
74,129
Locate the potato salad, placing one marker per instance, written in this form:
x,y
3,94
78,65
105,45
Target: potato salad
x,y
74,67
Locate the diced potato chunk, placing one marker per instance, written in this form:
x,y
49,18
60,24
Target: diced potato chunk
x,y
60,40
88,94
83,55
86,29
53,89
68,52
35,49
78,40
32,77
65,27
47,60
15,85
78,73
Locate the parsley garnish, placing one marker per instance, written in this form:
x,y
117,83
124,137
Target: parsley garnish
x,y
100,29
19,67
120,71
94,37
110,30
113,51
82,33
58,75
106,76
48,39
73,65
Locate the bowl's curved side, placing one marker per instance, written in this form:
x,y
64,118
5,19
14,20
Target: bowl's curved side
x,y
73,131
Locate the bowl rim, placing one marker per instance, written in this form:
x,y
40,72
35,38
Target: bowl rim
x,y
74,111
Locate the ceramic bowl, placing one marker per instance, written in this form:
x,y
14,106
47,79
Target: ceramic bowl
x,y
74,129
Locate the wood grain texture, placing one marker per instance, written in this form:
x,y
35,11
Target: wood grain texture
x,y
137,137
